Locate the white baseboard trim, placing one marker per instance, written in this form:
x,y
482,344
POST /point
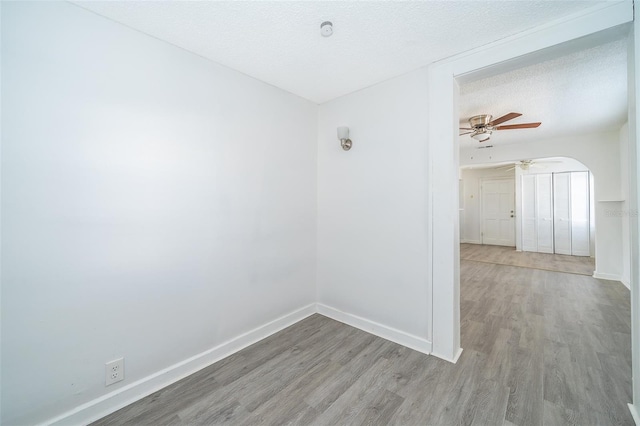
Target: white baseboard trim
x,y
470,241
626,283
107,404
634,414
400,337
605,276
120,398
453,360
457,357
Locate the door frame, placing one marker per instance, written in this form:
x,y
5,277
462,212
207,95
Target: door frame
x,y
442,224
481,200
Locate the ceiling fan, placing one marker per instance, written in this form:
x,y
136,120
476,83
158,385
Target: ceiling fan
x,y
482,126
529,164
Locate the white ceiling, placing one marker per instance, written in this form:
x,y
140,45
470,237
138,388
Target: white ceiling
x,y
280,42
582,92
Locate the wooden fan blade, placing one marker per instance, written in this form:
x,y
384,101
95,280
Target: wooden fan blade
x,y
464,133
466,128
518,126
504,118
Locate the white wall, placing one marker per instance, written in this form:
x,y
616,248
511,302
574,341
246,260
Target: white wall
x,y
601,154
470,210
625,211
155,205
372,245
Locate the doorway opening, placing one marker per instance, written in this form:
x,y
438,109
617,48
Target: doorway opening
x,y
555,321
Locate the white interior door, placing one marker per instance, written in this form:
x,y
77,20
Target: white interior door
x,y
544,212
562,212
498,225
580,214
528,215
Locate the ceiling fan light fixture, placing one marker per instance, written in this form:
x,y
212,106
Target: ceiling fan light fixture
x,y
525,164
481,136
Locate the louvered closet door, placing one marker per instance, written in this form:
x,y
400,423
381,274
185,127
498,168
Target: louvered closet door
x,y
562,212
580,214
544,212
529,233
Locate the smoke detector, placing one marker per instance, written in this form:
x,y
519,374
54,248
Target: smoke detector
x,y
326,29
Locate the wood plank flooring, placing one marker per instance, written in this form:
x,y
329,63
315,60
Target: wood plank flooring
x,y
509,256
540,347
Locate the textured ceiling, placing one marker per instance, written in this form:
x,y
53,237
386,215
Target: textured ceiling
x,y
280,42
583,92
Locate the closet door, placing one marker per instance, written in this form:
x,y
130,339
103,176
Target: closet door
x,y
562,212
529,234
580,213
544,212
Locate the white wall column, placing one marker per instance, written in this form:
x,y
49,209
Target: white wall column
x,y
443,161
634,195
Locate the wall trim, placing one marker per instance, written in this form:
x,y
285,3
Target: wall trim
x,y
605,276
634,414
120,398
470,242
457,357
397,336
453,360
626,283
113,401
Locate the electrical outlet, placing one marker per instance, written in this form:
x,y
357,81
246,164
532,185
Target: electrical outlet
x,y
114,371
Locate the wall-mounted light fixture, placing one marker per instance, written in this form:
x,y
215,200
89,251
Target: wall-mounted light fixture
x,y
343,135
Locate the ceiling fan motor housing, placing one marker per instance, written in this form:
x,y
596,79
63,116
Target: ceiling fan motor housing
x,y
480,121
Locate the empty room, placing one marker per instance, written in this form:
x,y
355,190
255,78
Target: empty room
x,y
229,212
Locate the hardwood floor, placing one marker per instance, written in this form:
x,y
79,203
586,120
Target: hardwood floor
x,y
509,256
540,347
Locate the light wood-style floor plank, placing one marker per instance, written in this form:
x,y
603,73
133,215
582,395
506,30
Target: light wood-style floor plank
x,y
501,255
540,348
